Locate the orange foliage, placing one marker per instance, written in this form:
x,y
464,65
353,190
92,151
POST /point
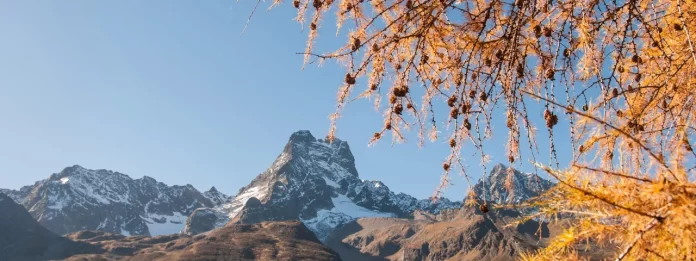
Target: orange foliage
x,y
626,68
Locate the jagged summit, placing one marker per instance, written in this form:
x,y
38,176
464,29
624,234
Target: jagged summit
x,y
306,136
149,179
524,185
67,172
498,167
72,169
302,136
314,181
78,170
335,155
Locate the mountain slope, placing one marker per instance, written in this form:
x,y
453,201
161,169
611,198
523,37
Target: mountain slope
x,y
317,183
467,235
453,234
79,199
22,238
283,240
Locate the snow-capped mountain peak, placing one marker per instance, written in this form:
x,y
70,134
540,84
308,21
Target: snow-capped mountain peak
x,y
215,196
78,198
314,181
509,186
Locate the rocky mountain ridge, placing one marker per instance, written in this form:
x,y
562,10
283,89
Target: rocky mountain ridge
x,y
506,185
311,180
82,199
316,182
23,239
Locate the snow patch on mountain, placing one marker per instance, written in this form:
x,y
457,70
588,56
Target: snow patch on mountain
x,y
235,206
331,182
56,202
165,224
344,211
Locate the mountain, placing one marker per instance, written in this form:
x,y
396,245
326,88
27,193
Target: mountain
x,y
316,182
465,234
281,240
22,238
458,234
524,186
82,199
216,197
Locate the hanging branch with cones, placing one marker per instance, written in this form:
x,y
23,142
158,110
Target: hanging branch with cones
x,y
626,69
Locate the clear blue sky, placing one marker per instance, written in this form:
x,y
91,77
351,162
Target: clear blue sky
x,y
170,90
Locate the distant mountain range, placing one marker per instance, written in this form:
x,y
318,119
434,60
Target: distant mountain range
x,y
311,181
24,239
78,199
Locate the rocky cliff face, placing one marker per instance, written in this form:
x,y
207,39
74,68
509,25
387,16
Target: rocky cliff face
x,y
79,199
316,182
509,186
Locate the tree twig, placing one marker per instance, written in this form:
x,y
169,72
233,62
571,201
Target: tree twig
x,y
250,15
